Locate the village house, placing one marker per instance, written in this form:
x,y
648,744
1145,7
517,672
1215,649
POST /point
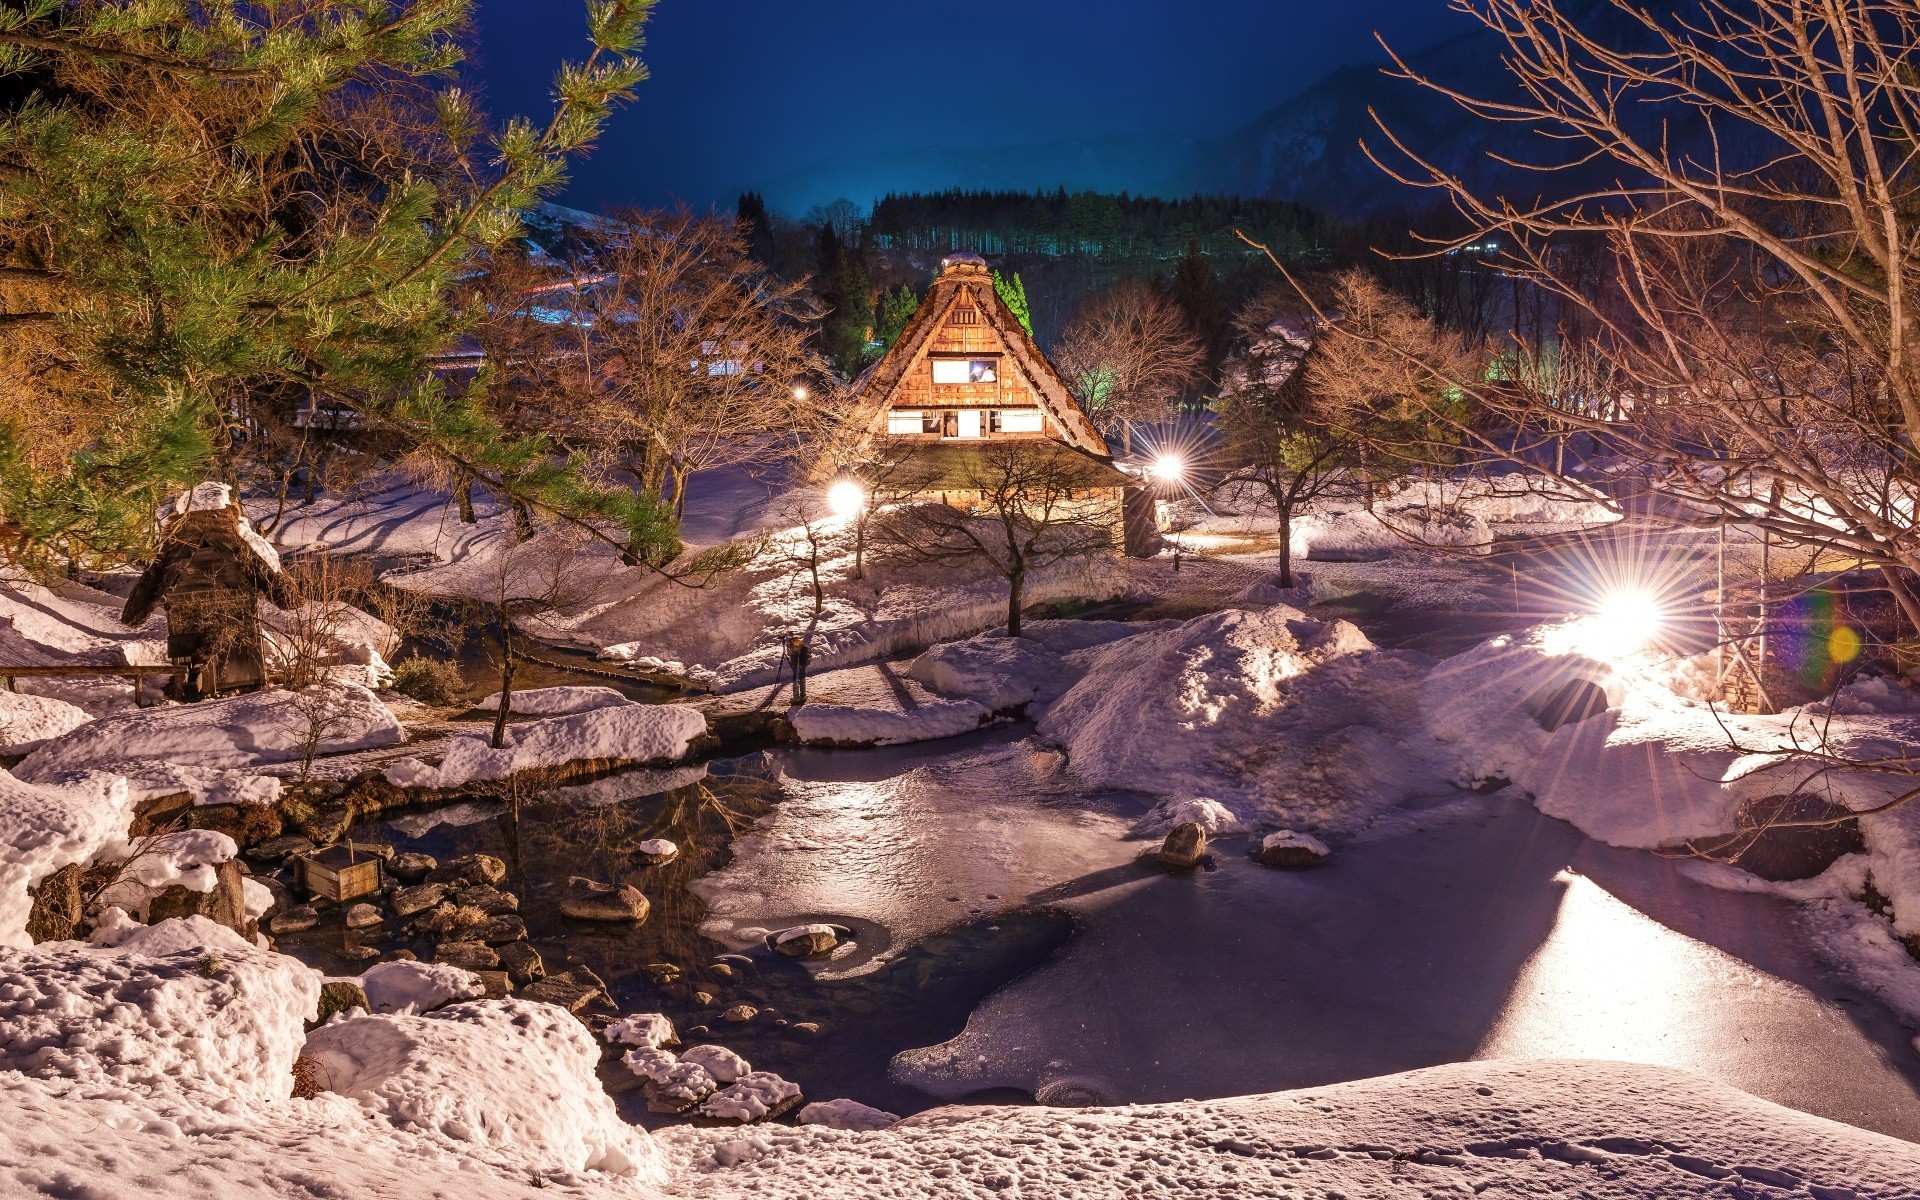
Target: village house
x,y
964,377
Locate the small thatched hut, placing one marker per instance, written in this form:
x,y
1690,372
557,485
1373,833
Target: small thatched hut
x,y
209,574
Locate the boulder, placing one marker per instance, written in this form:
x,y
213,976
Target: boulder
x,y
225,905
676,1087
1289,848
298,919
364,916
740,1014
649,1031
325,826
469,868
412,866
418,899
488,899
499,930
1185,848
522,962
473,956
277,849
723,1064
759,1096
587,900
59,907
805,941
246,824
566,989
499,984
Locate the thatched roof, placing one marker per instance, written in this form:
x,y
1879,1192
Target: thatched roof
x,y
963,277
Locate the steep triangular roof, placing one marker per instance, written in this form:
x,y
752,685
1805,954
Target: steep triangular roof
x,y
965,278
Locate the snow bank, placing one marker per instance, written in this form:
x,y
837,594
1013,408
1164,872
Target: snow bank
x,y
70,624
850,725
212,749
1361,535
29,722
1493,1128
557,701
1284,720
846,1114
354,643
509,1080
45,828
994,672
184,1008
633,733
417,987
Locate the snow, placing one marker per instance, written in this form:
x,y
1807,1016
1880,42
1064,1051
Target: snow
x,y
849,725
183,1009
1282,719
1211,815
416,987
354,644
723,1064
1289,839
1358,535
45,828
632,733
68,624
183,858
556,701
29,722
647,1030
1608,1131
994,672
215,749
509,1081
846,1114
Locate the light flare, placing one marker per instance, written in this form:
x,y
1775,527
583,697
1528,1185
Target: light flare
x,y
846,498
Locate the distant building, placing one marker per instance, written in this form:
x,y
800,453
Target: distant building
x,y
964,376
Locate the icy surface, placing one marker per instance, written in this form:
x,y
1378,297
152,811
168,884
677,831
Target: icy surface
x,y
509,1080
632,733
417,987
1601,1131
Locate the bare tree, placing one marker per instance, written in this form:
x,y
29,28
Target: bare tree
x,y
523,587
692,355
1128,355
1015,507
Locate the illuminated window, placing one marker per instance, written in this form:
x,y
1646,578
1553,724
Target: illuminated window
x,y
1014,420
930,422
965,370
905,420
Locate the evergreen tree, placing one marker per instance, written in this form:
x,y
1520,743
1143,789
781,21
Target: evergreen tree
x,y
1013,292
848,327
211,209
756,225
896,309
1196,289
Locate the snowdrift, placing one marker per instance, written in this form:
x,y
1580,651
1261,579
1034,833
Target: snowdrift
x,y
629,734
45,828
1284,720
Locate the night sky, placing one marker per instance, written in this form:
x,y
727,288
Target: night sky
x,y
811,100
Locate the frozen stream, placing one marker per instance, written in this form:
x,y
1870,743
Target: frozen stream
x,y
1476,929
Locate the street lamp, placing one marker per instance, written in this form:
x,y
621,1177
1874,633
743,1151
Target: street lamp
x,y
845,498
1168,469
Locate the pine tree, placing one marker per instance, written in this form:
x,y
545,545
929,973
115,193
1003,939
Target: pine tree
x,y
849,324
207,210
1013,292
756,224
896,309
1196,289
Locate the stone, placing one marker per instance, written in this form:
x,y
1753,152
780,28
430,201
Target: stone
x,y
502,929
663,972
360,953
469,868
400,955
58,906
1185,848
759,1096
522,962
1291,849
740,1014
678,1088
280,848
364,916
702,998
805,941
648,1031
225,905
325,826
564,989
298,919
722,970
338,996
474,956
806,1028
412,866
656,852
488,899
499,984
587,900
246,824
723,1064
407,901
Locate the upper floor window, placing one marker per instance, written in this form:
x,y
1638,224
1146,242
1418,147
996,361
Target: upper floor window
x,y
965,370
966,314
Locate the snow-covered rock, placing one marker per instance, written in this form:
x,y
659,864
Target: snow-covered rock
x,y
506,1080
417,987
44,828
29,722
1359,535
856,725
1215,818
630,733
753,1097
994,672
556,701
723,1064
214,749
846,1114
650,1031
184,1008
1279,718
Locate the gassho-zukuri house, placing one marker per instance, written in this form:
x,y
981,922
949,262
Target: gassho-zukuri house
x,y
964,376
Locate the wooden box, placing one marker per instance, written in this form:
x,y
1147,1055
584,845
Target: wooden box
x,y
341,872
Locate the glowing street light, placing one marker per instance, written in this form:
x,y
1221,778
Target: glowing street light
x,y
800,393
846,498
1168,469
1624,622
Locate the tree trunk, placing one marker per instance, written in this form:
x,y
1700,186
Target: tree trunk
x,y
522,522
1903,596
463,494
1285,518
1126,438
860,547
506,681
1016,592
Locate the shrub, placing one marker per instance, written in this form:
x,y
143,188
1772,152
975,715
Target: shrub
x,y
430,681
